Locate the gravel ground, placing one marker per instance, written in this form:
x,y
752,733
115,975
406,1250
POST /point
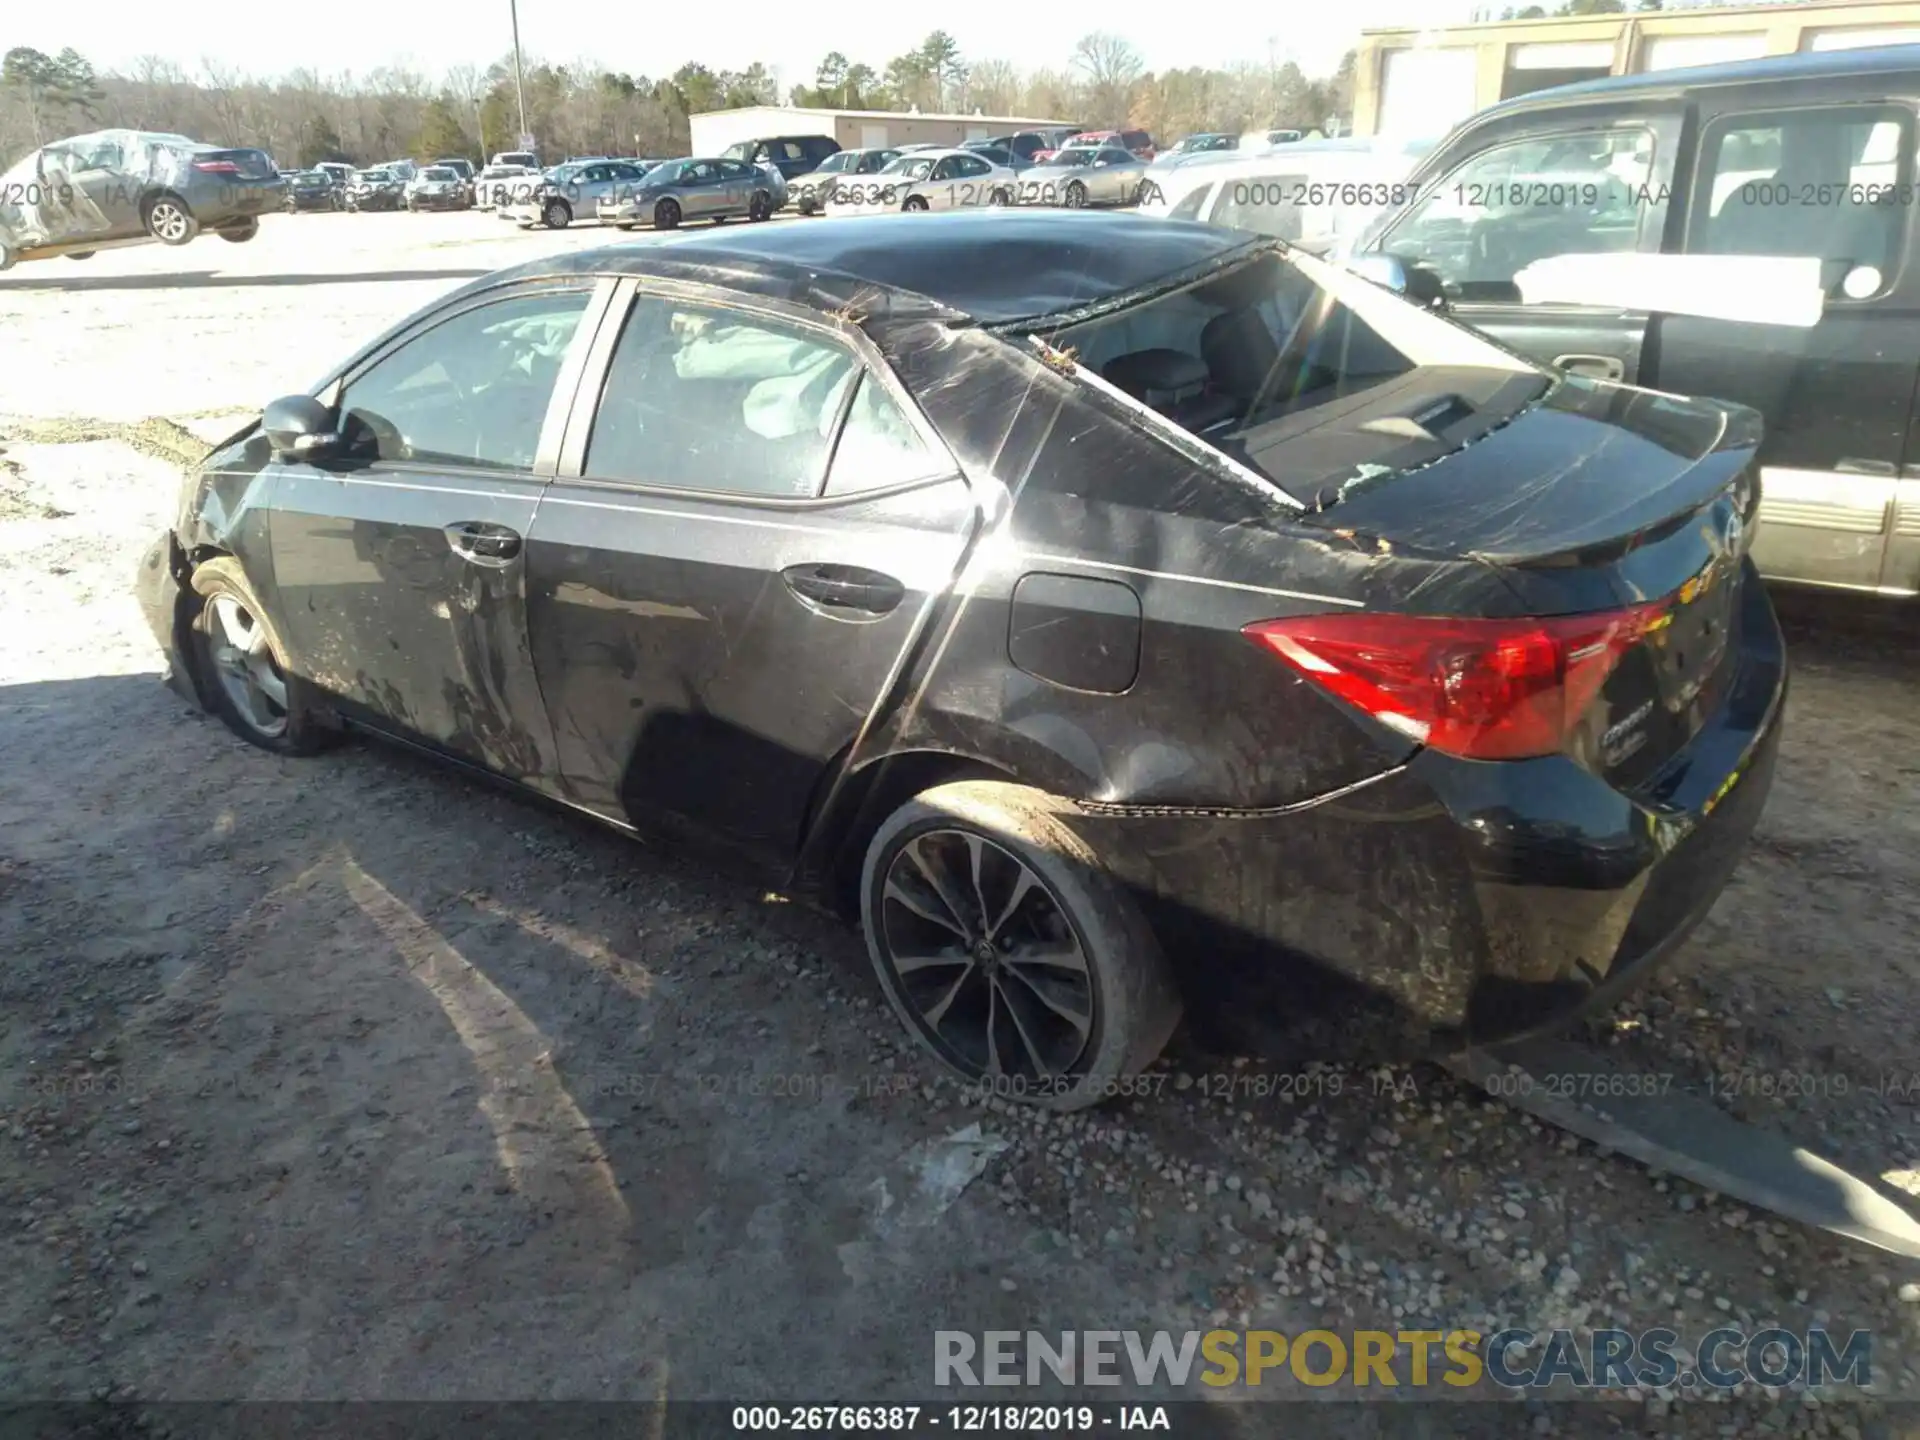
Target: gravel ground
x,y
350,1079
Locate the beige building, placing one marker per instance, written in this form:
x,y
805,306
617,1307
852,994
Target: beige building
x,y
1420,83
715,130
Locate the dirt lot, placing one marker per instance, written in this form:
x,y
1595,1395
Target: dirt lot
x,y
348,1079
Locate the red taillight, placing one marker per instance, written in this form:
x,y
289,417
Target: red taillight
x,y
217,167
1482,689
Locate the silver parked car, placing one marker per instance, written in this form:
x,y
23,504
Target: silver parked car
x,y
702,188
438,187
1083,175
572,192
811,190
926,180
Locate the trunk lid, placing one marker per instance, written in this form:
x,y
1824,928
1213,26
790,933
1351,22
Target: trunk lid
x,y
1598,498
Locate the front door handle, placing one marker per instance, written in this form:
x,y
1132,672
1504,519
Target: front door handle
x,y
484,543
1601,367
845,588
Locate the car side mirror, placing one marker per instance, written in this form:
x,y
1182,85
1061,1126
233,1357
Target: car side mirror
x,y
299,427
1386,271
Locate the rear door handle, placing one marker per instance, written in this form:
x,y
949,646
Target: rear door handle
x,y
845,587
1601,367
484,543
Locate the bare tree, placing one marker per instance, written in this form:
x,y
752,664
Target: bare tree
x,y
1112,70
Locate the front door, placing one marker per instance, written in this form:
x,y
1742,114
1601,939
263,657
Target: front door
x,y
401,565
748,529
1569,186
1832,182
703,189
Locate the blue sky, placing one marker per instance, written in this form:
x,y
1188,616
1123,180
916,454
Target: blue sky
x,y
657,39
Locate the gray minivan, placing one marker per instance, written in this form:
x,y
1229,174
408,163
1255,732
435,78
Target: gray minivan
x,y
1807,160
792,155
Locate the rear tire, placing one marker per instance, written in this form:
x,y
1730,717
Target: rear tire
x,y
760,207
7,256
169,220
81,254
1059,990
915,204
240,658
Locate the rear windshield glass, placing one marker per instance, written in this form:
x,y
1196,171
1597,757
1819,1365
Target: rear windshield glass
x,y
1291,366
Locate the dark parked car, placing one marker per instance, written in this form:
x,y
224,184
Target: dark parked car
x,y
1807,156
378,189
1097,608
115,187
1030,145
792,155
314,190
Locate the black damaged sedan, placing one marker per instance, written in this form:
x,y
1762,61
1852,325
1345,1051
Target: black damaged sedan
x,y
1108,614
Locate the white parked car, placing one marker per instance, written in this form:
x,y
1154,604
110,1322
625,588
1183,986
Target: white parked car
x,y
925,180
1318,194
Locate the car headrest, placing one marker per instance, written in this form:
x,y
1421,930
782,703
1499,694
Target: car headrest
x,y
1240,351
1156,376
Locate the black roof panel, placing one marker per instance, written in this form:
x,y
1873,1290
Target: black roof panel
x,y
993,264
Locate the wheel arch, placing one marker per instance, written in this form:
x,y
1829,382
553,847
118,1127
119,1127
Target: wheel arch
x,y
851,804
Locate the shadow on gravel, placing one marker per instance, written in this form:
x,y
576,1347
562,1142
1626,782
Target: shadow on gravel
x,y
204,279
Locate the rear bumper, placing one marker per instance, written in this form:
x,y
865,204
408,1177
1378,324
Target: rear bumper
x,y
1477,901
238,201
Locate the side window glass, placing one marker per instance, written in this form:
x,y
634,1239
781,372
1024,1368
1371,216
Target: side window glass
x,y
1824,183
974,165
1265,206
1528,200
878,446
1191,206
698,398
472,391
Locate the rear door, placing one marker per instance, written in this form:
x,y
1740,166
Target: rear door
x,y
1536,186
1830,179
400,565
748,528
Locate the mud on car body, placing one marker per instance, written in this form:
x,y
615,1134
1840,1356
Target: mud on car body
x,y
1107,624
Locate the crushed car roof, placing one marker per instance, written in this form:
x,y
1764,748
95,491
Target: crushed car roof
x,y
994,266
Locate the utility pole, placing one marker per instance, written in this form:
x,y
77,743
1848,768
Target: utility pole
x,y
519,81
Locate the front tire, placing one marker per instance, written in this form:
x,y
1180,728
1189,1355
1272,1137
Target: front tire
x,y
81,254
240,234
666,215
1076,196
245,667
556,215
915,204
169,221
1008,951
760,207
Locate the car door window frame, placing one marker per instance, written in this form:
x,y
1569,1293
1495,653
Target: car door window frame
x,y
1714,128
600,292
590,383
1649,233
